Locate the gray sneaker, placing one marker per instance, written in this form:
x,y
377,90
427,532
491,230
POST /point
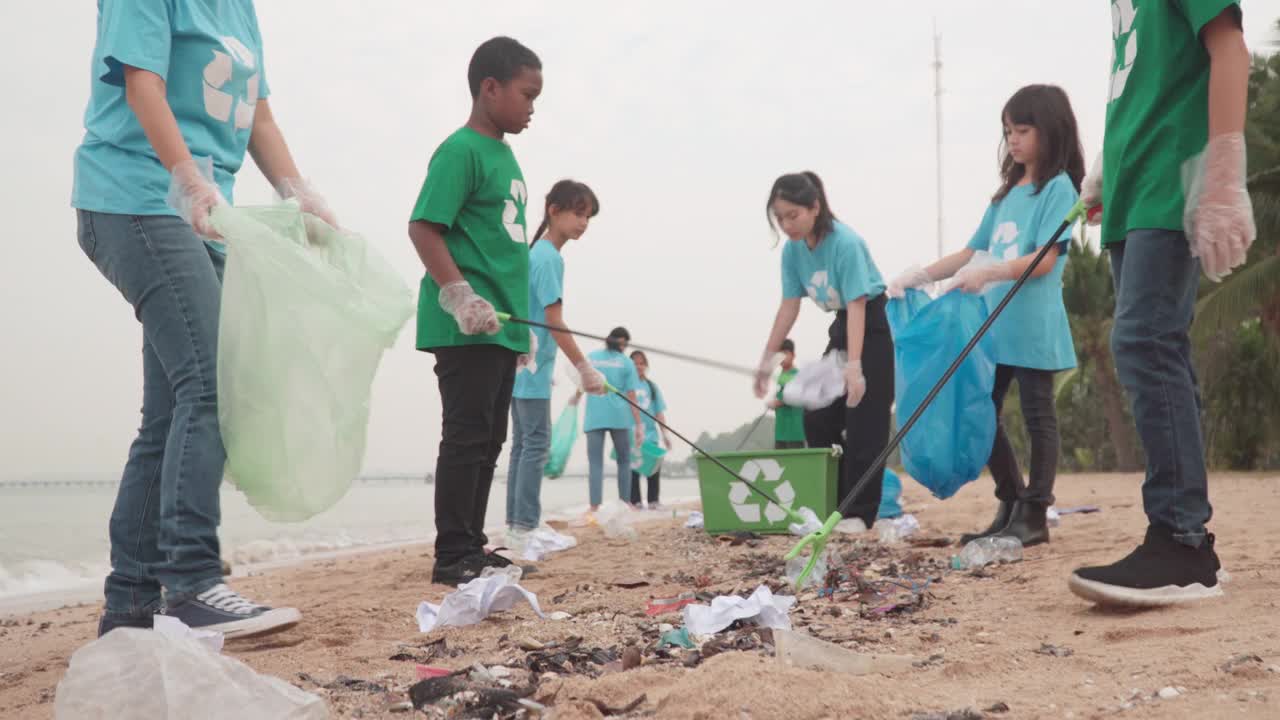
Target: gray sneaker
x,y
223,610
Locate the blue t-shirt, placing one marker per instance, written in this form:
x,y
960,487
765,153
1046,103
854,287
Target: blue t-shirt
x,y
653,403
610,412
1033,331
834,274
209,53
546,285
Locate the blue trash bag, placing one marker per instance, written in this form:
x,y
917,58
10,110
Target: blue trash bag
x,y
951,442
889,495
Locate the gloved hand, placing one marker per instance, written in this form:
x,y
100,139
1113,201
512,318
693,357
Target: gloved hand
x,y
309,200
193,194
913,277
975,278
527,359
639,437
1091,191
666,440
474,314
855,384
1219,214
590,379
764,372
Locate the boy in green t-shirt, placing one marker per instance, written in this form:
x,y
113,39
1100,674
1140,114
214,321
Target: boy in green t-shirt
x,y
1174,202
788,421
468,227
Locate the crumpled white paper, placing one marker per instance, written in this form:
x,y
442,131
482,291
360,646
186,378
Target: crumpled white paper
x,y
473,602
695,520
817,384
811,523
174,628
765,608
541,542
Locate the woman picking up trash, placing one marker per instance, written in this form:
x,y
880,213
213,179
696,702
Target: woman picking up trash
x,y
827,261
614,416
1040,177
177,95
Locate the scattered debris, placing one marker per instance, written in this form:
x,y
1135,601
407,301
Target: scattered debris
x,y
474,601
569,658
662,606
1168,693
608,711
1054,650
630,583
997,709
762,606
630,658
965,714
559,615
1241,661
677,638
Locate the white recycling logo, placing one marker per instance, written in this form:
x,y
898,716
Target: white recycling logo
x,y
217,101
821,293
754,472
511,210
1003,243
1124,49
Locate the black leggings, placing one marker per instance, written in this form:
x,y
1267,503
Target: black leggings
x,y
863,431
653,487
1035,390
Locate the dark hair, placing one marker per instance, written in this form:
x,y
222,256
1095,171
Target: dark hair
x,y
568,195
500,58
787,346
616,334
639,353
1048,109
802,188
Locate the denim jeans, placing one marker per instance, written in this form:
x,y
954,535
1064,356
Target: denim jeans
x,y
1156,279
595,463
164,528
1035,391
530,439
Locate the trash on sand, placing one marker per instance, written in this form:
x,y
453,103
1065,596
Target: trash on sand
x,y
661,606
796,565
811,523
802,651
559,615
473,602
343,682
1052,517
542,541
963,714
513,572
426,671
569,657
476,699
762,606
176,629
695,520
897,529
615,520
630,583
676,638
817,384
609,711
1084,509
1054,650
989,550
631,658
132,673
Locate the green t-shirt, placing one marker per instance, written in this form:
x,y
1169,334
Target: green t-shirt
x,y
788,421
475,189
1158,111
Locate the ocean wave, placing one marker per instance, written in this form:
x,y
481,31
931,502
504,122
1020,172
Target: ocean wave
x,y
31,577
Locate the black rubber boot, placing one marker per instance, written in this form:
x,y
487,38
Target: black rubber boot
x,y
1028,524
1004,511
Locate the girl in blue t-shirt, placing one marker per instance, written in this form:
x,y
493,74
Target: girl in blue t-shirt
x,y
608,414
826,261
649,397
569,209
1031,340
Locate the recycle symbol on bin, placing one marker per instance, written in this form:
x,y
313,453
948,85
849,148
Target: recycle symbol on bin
x,y
746,505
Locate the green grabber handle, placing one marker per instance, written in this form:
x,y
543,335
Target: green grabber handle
x,y
818,539
503,317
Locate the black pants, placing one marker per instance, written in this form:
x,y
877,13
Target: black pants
x,y
1035,390
788,445
475,395
861,431
653,487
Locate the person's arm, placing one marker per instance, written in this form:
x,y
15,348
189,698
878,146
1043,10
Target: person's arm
x,y
145,93
1228,72
666,437
639,419
567,344
428,240
788,311
949,265
268,148
855,327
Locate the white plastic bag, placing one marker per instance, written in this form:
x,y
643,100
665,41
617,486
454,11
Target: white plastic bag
x,y
307,311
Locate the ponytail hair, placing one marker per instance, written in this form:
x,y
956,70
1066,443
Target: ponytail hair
x,y
1048,109
805,189
568,195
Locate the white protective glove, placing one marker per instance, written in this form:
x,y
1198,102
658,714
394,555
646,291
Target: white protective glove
x,y
1219,214
590,379
474,314
913,277
855,384
764,372
309,200
976,278
527,360
193,194
639,438
1091,191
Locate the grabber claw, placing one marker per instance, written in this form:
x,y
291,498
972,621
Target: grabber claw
x,y
818,539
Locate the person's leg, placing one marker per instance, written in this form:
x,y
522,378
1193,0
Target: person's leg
x,y
622,446
504,375
595,466
514,463
1035,389
536,414
1002,462
654,481
869,423
635,487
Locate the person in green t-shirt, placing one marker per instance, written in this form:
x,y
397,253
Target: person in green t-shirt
x,y
788,420
1173,199
468,227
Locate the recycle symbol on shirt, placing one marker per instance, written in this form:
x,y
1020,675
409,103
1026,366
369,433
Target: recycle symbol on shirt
x,y
746,505
821,293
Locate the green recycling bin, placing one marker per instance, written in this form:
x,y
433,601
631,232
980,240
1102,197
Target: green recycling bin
x,y
797,478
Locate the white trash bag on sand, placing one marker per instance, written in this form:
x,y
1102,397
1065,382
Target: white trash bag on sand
x,y
132,673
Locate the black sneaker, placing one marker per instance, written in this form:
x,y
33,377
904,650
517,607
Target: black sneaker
x,y
223,610
493,559
111,621
1161,571
460,572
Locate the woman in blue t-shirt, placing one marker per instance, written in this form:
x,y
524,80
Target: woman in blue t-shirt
x,y
826,261
650,399
610,415
178,94
1031,340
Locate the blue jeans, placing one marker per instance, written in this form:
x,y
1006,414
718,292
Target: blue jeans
x,y
164,528
530,439
1156,280
595,463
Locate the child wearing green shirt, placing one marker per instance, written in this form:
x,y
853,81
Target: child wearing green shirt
x,y
788,421
468,227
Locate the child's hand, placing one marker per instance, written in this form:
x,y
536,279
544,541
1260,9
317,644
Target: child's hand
x,y
1219,214
975,279
474,314
309,200
855,383
590,380
914,277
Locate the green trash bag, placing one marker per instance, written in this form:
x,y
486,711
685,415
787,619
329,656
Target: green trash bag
x,y
304,323
563,434
646,462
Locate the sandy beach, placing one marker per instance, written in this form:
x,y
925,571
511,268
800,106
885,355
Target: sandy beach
x,y
1008,642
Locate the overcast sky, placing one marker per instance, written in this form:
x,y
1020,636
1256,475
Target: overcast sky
x,y
678,114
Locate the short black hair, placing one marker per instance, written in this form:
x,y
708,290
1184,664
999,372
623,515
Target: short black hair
x,y
500,58
616,336
787,346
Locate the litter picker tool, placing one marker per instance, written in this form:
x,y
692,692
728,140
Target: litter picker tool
x,y
818,539
752,431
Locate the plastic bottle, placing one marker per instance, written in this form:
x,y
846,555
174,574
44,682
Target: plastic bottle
x,y
897,529
512,571
990,550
